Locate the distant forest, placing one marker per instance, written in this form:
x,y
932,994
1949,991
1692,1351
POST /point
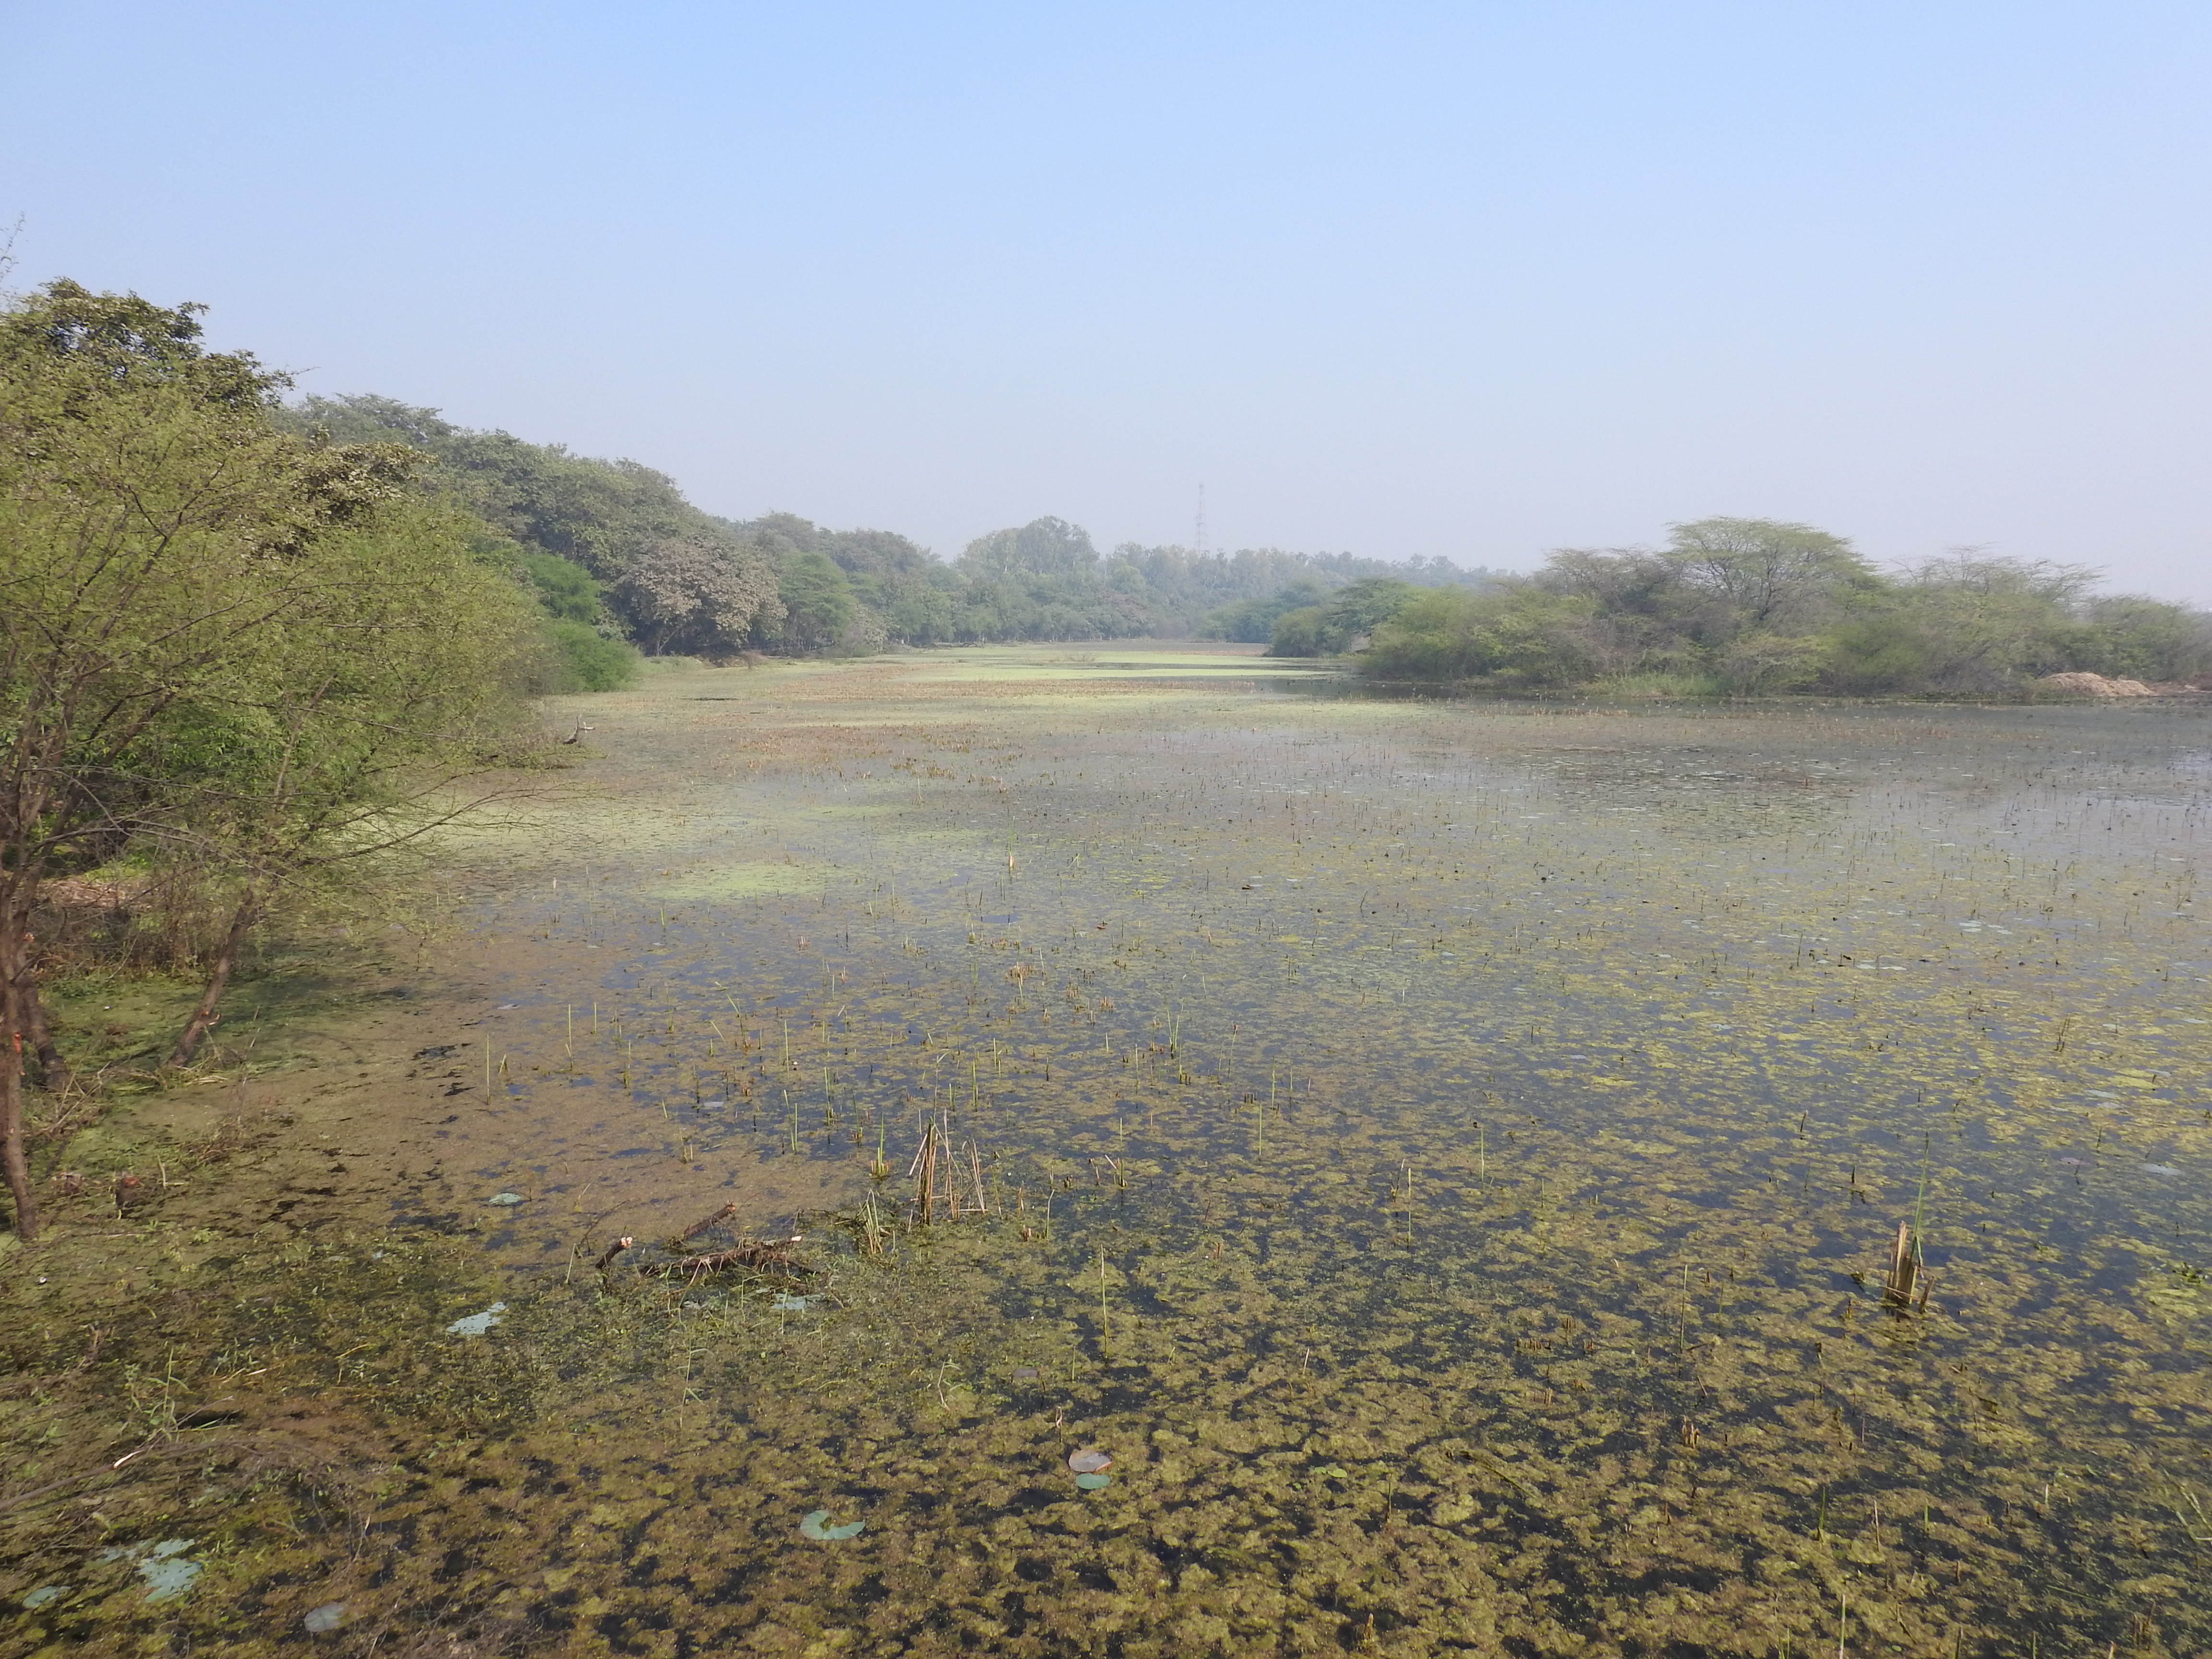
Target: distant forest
x,y
623,562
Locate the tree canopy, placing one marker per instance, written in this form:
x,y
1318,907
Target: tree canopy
x,y
220,640
1750,605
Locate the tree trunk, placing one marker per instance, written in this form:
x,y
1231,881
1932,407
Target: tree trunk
x,y
12,998
218,976
53,1069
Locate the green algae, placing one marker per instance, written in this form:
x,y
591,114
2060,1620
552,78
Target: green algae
x,y
1452,1153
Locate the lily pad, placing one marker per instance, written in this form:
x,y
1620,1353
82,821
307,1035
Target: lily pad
x,y
166,1573
477,1324
812,1527
1092,1482
1088,1461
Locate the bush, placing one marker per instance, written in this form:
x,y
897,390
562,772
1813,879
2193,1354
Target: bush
x,y
1878,654
1300,633
1521,636
589,661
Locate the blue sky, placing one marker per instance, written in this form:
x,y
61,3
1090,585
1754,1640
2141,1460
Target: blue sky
x,y
1473,280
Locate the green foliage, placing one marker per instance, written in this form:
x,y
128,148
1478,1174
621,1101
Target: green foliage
x,y
1301,632
674,576
818,605
564,587
1346,621
260,654
1519,635
2127,636
677,580
588,660
1043,547
1252,622
1753,607
1773,575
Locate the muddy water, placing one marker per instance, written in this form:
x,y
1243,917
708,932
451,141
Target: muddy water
x,y
1447,1156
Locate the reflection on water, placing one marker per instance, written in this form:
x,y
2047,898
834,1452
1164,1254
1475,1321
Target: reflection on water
x,y
1447,1156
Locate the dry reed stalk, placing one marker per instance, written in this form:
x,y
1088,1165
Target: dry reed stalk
x,y
1907,1284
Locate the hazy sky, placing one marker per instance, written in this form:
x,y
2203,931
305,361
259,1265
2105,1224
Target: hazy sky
x,y
1473,280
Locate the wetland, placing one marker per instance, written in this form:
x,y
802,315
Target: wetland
x,y
1277,1170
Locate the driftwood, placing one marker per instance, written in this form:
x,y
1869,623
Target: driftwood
x,y
613,1251
753,1255
698,1227
670,1259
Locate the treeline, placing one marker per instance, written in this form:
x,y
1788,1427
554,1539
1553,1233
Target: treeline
x,y
1750,606
237,663
622,561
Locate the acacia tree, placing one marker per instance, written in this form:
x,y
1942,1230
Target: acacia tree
x,y
150,520
387,700
1774,575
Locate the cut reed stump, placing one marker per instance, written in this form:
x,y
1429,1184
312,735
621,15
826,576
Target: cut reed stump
x,y
1907,1284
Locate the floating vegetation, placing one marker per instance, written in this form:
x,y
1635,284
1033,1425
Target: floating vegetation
x,y
1516,1178
477,1324
166,1569
816,1526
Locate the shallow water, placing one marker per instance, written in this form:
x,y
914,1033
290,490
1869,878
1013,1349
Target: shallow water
x,y
1447,1156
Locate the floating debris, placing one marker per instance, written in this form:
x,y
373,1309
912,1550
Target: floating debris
x,y
1088,1461
2161,1169
477,1324
812,1527
325,1619
1026,1373
44,1596
506,1198
787,1303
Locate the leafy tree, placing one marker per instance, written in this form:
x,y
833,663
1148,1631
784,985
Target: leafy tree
x,y
157,528
1303,632
817,602
1043,547
389,683
565,588
1366,606
698,595
1253,620
2129,637
603,516
1773,574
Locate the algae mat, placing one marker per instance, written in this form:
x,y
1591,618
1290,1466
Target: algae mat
x,y
1445,1158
